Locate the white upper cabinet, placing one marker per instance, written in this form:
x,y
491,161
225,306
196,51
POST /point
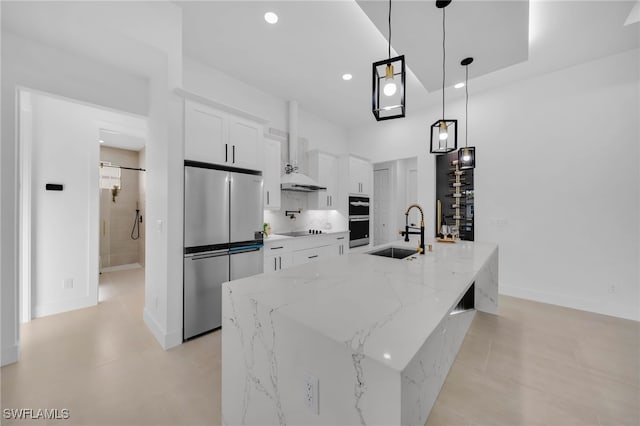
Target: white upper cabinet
x,y
214,136
324,169
205,133
245,140
271,174
359,176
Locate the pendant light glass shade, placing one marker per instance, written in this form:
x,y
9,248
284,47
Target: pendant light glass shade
x,y
387,96
444,136
467,158
444,132
388,88
466,155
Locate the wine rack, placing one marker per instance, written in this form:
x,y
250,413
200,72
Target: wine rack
x,y
455,198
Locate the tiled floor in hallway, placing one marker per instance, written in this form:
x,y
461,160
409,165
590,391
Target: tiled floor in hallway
x,y
104,365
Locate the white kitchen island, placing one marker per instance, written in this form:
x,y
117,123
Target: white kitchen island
x,y
378,334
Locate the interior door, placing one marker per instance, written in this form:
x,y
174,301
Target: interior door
x,y
412,195
206,213
382,225
246,207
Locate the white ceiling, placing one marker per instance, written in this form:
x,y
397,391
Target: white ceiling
x,y
494,32
304,56
121,140
315,42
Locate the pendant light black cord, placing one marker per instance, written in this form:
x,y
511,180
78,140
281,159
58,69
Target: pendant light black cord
x,y
466,106
443,61
389,51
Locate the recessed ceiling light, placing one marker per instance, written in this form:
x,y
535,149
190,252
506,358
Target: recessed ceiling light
x,y
347,77
386,355
101,141
271,17
459,86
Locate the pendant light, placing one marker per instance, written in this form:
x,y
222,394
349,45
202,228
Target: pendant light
x,y
444,132
388,93
466,155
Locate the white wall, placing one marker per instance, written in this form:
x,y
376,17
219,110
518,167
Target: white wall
x,y
29,64
65,228
556,186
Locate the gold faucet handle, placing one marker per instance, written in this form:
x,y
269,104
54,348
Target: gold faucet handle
x,y
419,250
400,232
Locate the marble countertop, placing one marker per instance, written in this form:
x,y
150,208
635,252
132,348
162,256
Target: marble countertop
x,y
388,307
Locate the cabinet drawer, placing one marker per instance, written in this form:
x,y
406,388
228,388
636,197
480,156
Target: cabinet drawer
x,y
302,257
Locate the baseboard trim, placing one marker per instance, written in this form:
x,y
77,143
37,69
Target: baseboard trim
x,y
121,267
166,340
9,355
63,306
595,306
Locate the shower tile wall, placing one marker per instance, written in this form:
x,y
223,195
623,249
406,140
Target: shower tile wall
x,y
117,218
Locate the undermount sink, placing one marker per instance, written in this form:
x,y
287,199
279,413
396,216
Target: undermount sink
x,y
393,252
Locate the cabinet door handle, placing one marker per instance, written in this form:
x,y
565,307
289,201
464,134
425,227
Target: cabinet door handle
x,y
267,197
280,259
233,151
277,248
314,256
226,152
275,265
329,200
340,238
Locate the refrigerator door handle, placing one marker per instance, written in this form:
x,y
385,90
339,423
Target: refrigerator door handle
x,y
207,254
244,249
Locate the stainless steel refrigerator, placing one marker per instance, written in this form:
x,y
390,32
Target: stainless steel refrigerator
x,y
223,217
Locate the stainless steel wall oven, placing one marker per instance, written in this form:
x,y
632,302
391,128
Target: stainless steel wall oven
x,y
358,221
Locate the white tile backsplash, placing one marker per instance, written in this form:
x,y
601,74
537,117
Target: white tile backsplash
x,y
326,220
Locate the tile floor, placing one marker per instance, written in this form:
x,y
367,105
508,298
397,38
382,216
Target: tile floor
x,y
534,364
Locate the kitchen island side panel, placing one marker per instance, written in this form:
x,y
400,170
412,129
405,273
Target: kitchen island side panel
x,y
425,374
265,357
486,285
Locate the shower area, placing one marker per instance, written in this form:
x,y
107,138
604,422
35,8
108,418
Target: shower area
x,y
122,201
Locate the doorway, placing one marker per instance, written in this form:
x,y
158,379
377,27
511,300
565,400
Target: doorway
x,y
122,213
59,257
381,206
395,188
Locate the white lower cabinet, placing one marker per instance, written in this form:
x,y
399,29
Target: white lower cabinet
x,y
301,257
284,253
277,262
341,245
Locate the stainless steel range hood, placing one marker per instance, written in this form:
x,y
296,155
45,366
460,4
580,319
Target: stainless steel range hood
x,y
293,180
298,182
